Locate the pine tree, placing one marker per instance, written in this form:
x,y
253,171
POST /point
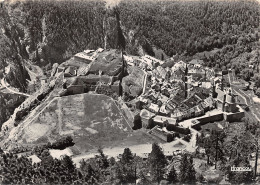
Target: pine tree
x,y
102,160
118,173
157,162
68,163
187,171
90,173
112,161
124,170
183,167
127,156
172,175
143,179
191,171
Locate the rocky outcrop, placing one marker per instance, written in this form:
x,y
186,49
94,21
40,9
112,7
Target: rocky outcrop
x,y
15,51
17,77
8,104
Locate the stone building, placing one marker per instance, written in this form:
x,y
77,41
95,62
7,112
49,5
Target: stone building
x,y
226,101
146,117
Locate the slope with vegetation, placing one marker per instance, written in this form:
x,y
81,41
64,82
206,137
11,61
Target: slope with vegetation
x,y
222,33
53,31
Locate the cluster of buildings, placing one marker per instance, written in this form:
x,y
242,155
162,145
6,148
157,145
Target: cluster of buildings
x,y
181,92
99,71
145,62
170,95
228,108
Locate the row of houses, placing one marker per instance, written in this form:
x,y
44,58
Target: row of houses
x,y
198,110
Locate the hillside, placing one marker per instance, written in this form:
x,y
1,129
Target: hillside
x,y
53,31
101,125
46,32
129,91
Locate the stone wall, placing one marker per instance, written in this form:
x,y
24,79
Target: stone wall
x,y
232,117
75,89
213,118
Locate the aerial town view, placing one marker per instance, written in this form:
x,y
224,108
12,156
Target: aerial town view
x,y
129,92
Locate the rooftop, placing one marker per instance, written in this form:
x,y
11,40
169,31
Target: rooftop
x,y
161,119
109,62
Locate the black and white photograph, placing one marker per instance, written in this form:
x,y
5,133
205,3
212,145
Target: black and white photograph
x,y
129,92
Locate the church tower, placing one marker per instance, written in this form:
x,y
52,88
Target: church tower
x,y
185,82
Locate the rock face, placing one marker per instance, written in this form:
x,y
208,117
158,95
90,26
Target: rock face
x,y
13,51
17,77
8,103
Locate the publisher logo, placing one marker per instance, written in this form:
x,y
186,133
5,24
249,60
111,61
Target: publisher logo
x,y
240,169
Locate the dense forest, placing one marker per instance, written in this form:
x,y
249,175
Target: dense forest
x,y
222,33
127,168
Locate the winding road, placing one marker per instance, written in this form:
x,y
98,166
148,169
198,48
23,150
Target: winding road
x,y
11,90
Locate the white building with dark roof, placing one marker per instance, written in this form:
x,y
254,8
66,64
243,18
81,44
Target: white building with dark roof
x,y
162,119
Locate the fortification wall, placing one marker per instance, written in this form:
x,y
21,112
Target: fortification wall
x,y
205,120
75,89
234,116
213,118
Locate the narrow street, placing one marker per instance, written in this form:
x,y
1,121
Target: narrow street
x,y
144,82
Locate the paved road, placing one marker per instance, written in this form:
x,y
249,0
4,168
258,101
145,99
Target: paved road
x,y
139,150
247,96
144,82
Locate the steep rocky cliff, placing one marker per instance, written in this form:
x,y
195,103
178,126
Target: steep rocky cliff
x,y
13,50
50,32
